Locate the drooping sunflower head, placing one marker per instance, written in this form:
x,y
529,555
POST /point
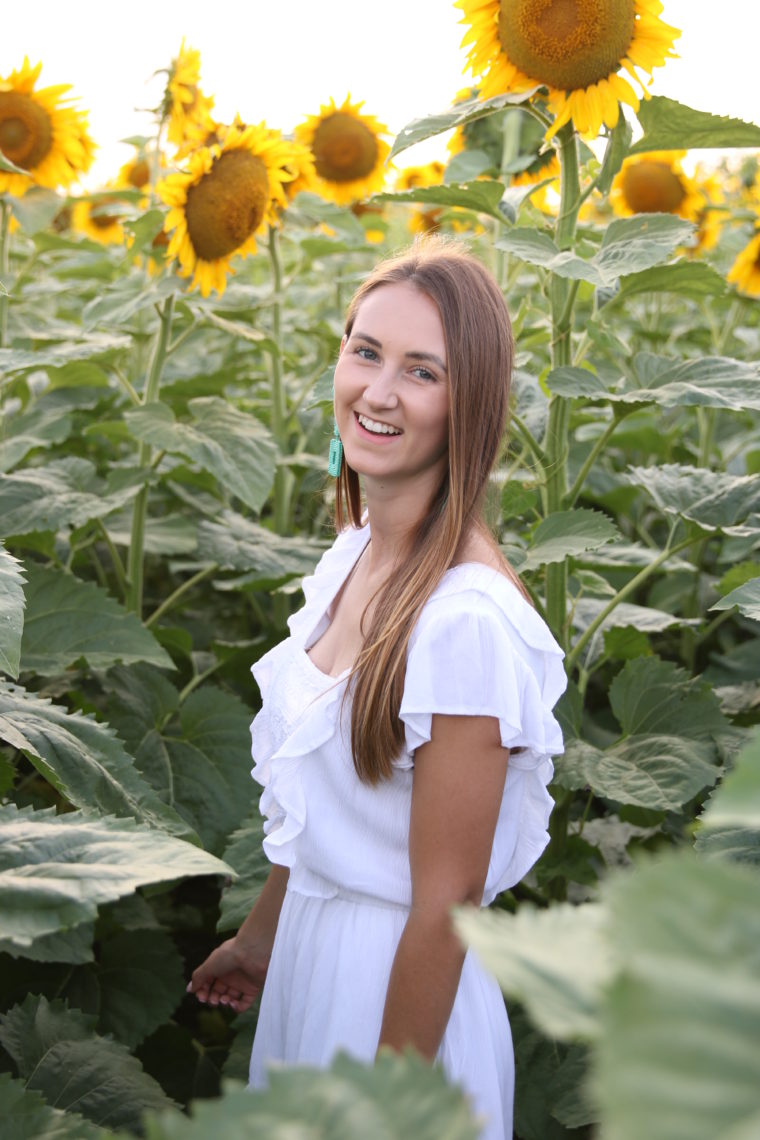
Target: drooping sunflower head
x,y
574,48
655,183
227,193
185,106
745,272
41,132
348,150
298,164
99,218
135,174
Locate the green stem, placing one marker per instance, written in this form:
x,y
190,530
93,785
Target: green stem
x,y
278,393
180,592
706,422
527,437
635,582
135,568
116,561
573,494
127,386
562,293
5,222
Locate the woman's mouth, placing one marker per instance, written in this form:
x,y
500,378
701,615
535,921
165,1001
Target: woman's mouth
x,y
375,427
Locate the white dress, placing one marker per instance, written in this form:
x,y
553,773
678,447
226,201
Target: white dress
x,y
478,648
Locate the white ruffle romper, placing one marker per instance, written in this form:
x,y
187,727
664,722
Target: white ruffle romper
x,y
478,648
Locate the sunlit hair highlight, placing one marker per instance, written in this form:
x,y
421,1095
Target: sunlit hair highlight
x,y
479,352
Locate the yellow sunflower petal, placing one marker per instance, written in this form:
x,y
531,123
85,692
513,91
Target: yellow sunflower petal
x,y
348,150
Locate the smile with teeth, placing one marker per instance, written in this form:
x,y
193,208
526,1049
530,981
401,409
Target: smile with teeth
x,y
376,426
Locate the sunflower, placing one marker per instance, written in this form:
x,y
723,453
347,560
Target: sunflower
x,y
134,175
573,48
300,165
99,219
186,107
713,213
348,151
41,132
228,192
656,183
745,272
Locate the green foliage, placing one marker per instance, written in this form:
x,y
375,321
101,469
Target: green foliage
x,y
669,124
11,612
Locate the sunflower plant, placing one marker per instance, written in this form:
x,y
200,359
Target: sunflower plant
x,y
348,149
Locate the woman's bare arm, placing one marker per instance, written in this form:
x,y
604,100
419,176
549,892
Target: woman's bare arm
x,y
234,973
458,783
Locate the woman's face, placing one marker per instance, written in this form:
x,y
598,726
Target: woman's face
x,y
392,389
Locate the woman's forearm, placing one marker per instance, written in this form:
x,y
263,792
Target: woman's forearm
x,y
265,912
423,983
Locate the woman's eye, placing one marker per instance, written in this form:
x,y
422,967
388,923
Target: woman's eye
x,y
366,353
423,373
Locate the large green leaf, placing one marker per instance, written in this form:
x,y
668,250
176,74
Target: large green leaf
x,y
197,755
645,619
654,696
710,381
141,982
39,426
11,612
67,619
555,961
59,1055
483,196
565,534
245,853
657,772
730,824
56,870
83,759
746,598
13,360
26,1116
457,116
65,492
678,1059
630,245
399,1097
686,277
670,125
714,500
234,446
238,543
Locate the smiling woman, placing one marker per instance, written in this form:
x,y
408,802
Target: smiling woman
x,y
406,734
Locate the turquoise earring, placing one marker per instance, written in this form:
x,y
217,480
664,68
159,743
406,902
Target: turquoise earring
x,y
335,457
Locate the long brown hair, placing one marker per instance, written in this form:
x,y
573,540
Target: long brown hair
x,y
479,351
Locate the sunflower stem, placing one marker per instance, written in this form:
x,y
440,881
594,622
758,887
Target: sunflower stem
x,y
555,444
135,568
5,222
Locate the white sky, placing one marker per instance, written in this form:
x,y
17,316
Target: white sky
x,y
278,60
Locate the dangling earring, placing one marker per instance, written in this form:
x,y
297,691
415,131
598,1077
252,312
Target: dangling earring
x,y
335,457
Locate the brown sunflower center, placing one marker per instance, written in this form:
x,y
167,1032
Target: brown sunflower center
x,y
344,149
102,213
567,44
227,205
652,188
26,132
139,174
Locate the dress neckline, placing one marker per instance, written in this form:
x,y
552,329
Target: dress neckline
x,y
327,603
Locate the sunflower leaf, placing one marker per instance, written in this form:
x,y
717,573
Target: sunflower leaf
x,y
65,492
36,210
56,870
483,197
617,147
27,1116
568,533
429,125
669,125
746,597
687,278
714,500
11,612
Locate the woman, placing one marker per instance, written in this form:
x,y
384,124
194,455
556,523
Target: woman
x,y
406,733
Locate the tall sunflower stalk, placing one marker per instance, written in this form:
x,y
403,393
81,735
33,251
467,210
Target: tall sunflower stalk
x,y
135,561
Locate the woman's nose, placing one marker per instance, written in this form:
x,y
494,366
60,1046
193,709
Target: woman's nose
x,y
381,391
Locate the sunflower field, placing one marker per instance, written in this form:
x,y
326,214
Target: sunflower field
x,y
166,352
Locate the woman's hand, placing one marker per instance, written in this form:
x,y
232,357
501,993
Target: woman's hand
x,y
234,973
231,976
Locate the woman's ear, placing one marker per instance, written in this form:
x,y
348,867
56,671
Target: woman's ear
x,y
343,343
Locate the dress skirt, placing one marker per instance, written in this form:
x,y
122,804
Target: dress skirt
x,y
325,993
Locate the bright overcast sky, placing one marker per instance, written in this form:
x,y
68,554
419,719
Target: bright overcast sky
x,y
279,61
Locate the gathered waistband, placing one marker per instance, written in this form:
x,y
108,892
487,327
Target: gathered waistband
x,y
309,884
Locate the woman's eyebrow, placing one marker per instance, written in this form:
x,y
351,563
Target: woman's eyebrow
x,y
411,355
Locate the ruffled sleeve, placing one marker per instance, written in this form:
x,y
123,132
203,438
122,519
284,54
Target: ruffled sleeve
x,y
479,649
